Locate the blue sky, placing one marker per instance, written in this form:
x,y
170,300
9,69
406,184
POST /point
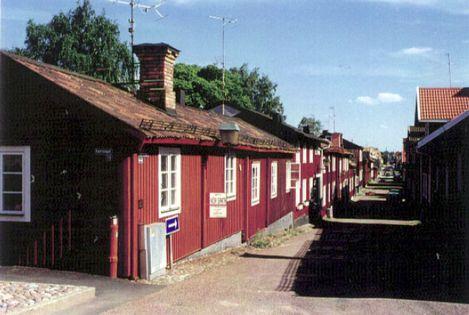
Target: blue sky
x,y
365,58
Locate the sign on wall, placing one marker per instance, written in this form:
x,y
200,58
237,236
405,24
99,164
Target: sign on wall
x,y
217,205
172,225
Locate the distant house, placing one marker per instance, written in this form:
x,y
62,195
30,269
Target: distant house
x,y
75,151
434,107
306,179
444,169
356,165
337,182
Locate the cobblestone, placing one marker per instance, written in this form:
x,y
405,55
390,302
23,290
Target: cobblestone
x,y
18,296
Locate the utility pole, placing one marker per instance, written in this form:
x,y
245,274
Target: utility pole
x,y
225,20
449,68
144,8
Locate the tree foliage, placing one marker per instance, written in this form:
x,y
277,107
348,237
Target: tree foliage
x,y
80,41
243,87
315,125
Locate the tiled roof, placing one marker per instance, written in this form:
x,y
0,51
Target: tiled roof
x,y
189,123
441,103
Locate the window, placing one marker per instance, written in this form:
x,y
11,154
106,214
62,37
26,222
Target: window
x,y
273,180
311,155
297,155
170,181
230,177
311,184
288,177
255,183
15,198
333,163
303,190
305,155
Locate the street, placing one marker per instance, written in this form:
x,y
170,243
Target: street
x,y
339,268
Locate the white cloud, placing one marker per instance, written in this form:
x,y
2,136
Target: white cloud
x,y
451,6
385,97
367,100
381,98
415,51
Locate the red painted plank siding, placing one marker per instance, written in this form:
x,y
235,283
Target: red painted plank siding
x,y
257,215
284,202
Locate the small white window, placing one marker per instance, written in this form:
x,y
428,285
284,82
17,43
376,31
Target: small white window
x,y
169,166
305,155
304,190
273,179
15,197
311,155
230,177
333,163
311,184
288,177
298,155
255,183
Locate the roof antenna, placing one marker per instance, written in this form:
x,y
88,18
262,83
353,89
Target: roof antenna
x,y
144,8
332,117
225,20
449,68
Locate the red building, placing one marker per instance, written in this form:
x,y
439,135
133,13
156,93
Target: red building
x,y
336,175
356,165
85,150
306,168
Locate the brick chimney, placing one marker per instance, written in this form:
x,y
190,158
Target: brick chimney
x,y
157,74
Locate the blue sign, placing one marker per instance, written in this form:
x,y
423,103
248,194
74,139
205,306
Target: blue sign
x,y
172,225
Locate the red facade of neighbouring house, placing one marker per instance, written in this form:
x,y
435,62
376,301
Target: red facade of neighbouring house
x,y
94,151
306,170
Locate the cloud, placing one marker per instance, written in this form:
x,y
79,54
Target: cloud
x,y
385,97
383,126
381,98
458,7
415,51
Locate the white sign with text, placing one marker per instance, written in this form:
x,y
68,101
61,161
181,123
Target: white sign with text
x,y
217,205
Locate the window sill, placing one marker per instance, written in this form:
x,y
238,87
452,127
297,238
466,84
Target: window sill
x,y
169,212
231,198
273,197
255,203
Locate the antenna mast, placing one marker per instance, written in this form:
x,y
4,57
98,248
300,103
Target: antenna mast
x,y
225,20
449,68
144,8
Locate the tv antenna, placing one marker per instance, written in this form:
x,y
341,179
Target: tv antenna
x,y
449,68
332,117
225,21
144,8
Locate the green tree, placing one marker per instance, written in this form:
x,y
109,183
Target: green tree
x,y
315,125
243,87
80,41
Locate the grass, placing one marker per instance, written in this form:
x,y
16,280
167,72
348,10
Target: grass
x,y
273,240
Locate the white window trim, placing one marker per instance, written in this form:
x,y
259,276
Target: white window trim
x,y
304,189
311,155
305,155
311,184
298,155
170,210
231,195
288,176
25,215
273,179
256,200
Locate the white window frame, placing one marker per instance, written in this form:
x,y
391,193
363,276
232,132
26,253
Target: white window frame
x,y
304,190
298,155
311,184
273,179
288,177
25,214
333,163
305,155
311,155
255,183
175,208
230,195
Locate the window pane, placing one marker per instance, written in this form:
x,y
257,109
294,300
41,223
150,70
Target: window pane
x,y
12,202
173,162
173,180
173,197
164,163
164,180
12,163
164,198
12,182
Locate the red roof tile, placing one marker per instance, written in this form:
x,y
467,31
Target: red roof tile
x,y
441,103
189,123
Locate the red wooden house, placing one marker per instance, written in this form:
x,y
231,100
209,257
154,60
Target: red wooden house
x,y
336,175
305,178
75,150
